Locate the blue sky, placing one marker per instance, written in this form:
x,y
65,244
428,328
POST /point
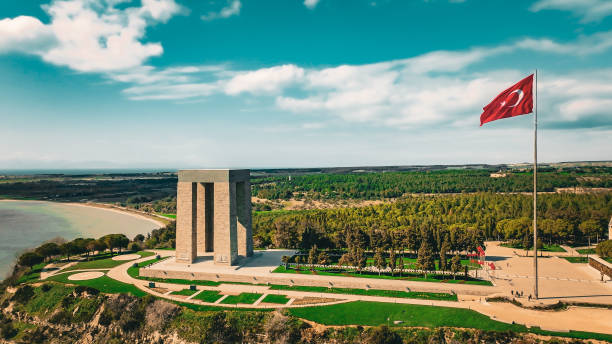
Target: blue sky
x,y
294,83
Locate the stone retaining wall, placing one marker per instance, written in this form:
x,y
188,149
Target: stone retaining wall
x,y
336,282
601,265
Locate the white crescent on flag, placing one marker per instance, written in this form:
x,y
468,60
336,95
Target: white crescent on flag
x,y
520,96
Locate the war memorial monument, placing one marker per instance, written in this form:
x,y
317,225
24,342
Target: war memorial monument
x,y
213,215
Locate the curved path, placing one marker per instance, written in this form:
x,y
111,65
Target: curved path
x,y
574,318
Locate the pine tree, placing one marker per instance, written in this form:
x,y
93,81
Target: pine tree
x,y
312,256
323,258
285,260
392,260
379,260
425,258
455,265
445,248
401,264
527,243
360,259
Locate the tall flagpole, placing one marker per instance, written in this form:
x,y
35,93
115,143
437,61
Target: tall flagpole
x,y
535,188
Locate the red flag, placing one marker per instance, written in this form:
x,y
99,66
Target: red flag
x,y
515,101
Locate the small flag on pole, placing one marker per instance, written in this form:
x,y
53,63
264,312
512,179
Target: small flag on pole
x,y
514,101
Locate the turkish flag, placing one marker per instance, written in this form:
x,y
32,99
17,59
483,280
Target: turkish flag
x,y
514,101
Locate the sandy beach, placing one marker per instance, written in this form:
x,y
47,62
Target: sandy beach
x,y
27,224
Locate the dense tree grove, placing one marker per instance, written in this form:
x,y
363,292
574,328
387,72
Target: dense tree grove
x,y
398,184
463,221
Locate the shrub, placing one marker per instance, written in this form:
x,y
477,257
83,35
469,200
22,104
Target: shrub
x,y
80,290
7,330
60,316
383,335
46,287
134,246
23,294
604,249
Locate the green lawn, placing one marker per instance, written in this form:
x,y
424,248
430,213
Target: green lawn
x,y
104,261
405,276
104,284
208,296
586,250
411,263
185,292
280,299
247,298
545,248
582,260
135,272
370,292
374,314
170,216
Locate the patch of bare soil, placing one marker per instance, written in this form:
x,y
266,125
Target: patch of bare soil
x,y
312,300
160,290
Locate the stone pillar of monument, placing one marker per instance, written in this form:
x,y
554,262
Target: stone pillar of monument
x,y
245,233
186,222
226,238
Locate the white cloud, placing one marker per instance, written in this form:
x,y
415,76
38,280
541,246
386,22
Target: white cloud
x,y
430,89
584,45
171,92
91,35
232,9
587,10
575,108
311,4
265,80
23,33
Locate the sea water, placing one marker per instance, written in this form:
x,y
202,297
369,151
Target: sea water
x,y
27,224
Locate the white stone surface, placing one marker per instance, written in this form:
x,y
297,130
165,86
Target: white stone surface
x,y
81,276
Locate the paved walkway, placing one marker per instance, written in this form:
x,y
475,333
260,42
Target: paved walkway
x,y
570,250
575,318
559,280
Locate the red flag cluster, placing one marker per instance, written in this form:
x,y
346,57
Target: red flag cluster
x,y
514,101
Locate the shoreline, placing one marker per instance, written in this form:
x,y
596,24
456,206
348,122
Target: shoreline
x,y
107,207
121,210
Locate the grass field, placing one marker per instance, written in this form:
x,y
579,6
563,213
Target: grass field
x,y
545,248
247,298
586,250
411,263
104,261
170,216
208,296
374,314
582,260
184,292
280,299
370,292
104,284
407,277
134,272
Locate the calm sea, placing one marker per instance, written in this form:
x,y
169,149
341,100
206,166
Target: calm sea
x,y
26,224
